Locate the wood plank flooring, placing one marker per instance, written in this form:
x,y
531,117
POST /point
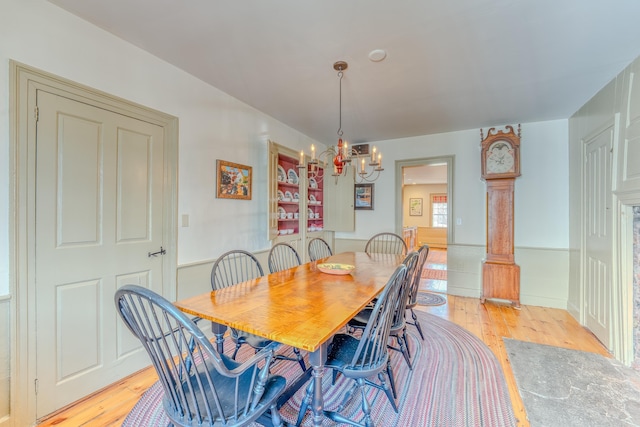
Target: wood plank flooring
x,y
490,322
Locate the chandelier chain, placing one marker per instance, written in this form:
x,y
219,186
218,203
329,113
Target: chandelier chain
x,y
340,74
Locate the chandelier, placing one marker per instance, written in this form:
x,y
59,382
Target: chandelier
x,y
342,157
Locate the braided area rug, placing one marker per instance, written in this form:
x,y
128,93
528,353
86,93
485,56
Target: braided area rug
x,y
456,381
429,298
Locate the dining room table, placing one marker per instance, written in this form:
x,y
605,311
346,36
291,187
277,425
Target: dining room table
x,y
303,307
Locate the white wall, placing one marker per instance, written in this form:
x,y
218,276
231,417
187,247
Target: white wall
x,y
541,194
212,125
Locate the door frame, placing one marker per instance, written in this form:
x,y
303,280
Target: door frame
x,y
25,81
621,302
425,161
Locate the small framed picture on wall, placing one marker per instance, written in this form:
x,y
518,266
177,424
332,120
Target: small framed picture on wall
x,y
415,207
364,197
234,180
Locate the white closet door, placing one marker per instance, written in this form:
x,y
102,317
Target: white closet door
x,y
99,212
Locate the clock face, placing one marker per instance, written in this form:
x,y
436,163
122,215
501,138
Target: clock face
x,y
500,158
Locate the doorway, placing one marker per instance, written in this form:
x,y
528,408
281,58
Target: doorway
x,y
426,211
67,137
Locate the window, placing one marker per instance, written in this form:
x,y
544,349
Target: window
x,y
439,210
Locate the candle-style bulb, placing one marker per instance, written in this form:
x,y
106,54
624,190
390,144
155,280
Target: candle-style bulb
x,y
373,155
313,152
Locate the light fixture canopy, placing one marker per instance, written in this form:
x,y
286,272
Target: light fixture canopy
x,y
341,155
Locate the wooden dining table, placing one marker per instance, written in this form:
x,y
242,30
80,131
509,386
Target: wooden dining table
x,y
301,307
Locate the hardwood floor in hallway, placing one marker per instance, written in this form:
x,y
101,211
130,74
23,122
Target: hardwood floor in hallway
x,y
490,322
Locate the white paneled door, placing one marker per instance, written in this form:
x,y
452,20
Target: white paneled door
x,y
99,207
598,217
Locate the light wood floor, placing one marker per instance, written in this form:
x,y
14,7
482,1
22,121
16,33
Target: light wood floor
x,y
490,322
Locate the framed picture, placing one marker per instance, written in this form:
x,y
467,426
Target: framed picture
x,y
364,197
415,207
234,180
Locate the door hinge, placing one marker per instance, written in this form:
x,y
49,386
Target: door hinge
x,y
35,385
36,113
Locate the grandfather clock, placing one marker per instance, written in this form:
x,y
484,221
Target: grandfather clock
x,y
500,168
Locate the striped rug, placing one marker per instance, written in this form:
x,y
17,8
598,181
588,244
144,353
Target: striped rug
x,y
456,381
433,273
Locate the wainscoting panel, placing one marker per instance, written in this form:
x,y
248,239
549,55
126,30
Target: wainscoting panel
x,y
195,278
464,270
544,276
5,359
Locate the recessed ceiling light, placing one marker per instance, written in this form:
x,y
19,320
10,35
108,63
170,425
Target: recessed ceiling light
x,y
377,55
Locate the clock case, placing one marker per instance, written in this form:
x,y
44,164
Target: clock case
x,y
500,273
509,137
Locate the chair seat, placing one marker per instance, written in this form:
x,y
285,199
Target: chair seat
x,y
341,354
254,341
360,320
226,387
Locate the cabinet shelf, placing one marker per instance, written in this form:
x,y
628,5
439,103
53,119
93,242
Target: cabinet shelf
x,y
280,202
287,184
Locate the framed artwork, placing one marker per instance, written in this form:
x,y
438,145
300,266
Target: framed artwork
x,y
364,197
415,207
234,180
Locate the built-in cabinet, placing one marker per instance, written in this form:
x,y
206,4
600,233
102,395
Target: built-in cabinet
x,y
304,204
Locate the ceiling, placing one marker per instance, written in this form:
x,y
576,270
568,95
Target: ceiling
x,y
450,65
424,174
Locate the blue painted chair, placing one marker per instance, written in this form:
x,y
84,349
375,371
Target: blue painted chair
x,y
386,243
201,386
232,268
282,256
359,359
319,248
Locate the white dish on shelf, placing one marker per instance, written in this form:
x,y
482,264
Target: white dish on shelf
x,y
313,183
280,195
282,175
310,212
296,197
282,214
292,176
312,199
288,195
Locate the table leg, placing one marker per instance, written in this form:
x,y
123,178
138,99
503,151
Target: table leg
x,y
219,331
317,359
